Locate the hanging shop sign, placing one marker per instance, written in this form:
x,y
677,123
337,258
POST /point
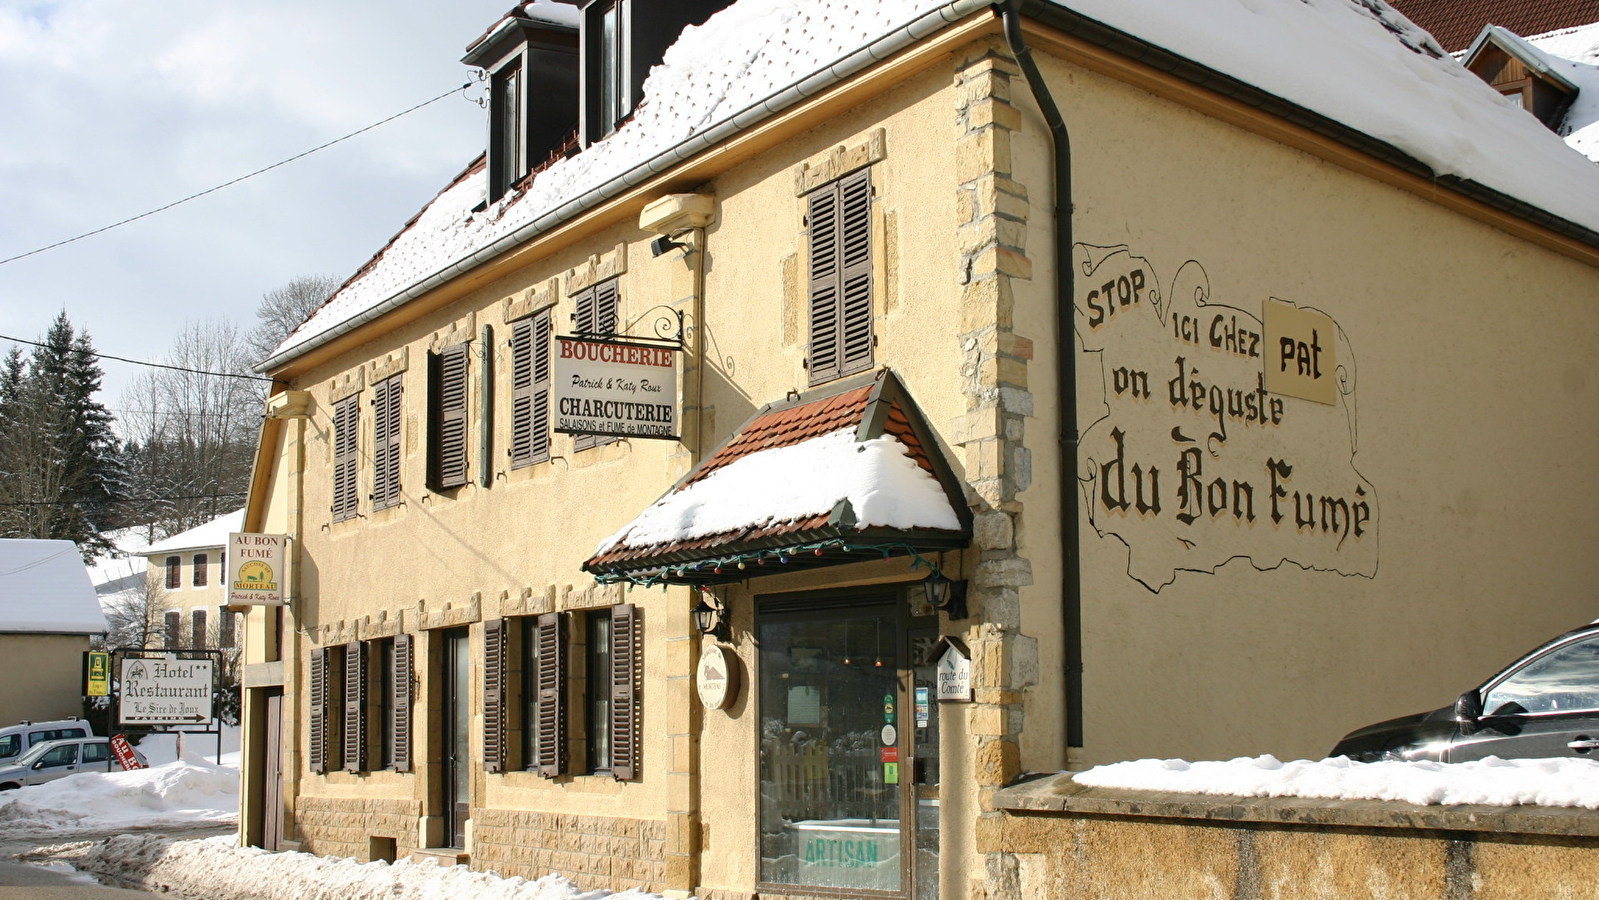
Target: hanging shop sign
x,y
96,674
954,674
255,569
716,677
615,388
166,691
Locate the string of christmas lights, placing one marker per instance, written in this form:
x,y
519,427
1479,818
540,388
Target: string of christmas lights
x,y
758,558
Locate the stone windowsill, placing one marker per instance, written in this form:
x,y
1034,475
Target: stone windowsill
x,y
1060,794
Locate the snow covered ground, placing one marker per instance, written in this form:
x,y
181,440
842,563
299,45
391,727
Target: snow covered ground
x,y
193,791
215,867
1490,782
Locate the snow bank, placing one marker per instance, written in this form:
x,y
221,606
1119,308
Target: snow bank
x,y
214,867
1488,782
189,792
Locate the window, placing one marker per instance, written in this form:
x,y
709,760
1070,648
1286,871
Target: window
x,y
96,752
506,105
10,745
1565,679
840,303
599,698
197,631
173,620
387,409
201,567
382,698
611,72
59,756
495,636
174,572
447,392
611,710
530,693
404,654
227,629
598,308
346,458
530,390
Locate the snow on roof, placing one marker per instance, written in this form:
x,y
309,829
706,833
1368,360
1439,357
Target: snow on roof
x,y
1354,61
45,588
551,11
210,534
1574,53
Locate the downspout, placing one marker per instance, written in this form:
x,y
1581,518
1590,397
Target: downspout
x,y
1065,377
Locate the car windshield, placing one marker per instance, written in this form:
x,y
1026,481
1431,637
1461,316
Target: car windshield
x,y
33,754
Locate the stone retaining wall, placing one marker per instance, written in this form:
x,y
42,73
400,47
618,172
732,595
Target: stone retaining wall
x,y
1059,839
593,851
340,826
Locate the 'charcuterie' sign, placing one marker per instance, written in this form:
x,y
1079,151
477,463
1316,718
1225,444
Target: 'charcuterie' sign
x,y
616,388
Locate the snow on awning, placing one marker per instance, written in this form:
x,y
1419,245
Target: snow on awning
x,y
845,475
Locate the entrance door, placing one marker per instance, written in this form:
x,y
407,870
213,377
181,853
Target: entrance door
x,y
272,795
839,806
923,799
457,724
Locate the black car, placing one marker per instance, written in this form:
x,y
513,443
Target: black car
x,y
1545,704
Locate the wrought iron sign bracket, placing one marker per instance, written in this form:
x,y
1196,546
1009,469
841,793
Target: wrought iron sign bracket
x,y
663,325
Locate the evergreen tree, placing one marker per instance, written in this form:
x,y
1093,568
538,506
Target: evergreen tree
x,y
59,471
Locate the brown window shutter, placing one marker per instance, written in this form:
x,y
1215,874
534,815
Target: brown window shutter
x,y
447,417
583,321
825,289
625,649
855,277
346,458
201,567
403,652
598,309
197,629
494,643
387,409
552,695
354,707
174,628
530,390
539,445
319,709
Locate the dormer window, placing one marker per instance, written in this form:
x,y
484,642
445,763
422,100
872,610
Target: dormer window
x,y
531,59
607,43
622,41
1524,75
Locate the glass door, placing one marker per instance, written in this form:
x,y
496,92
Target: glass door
x,y
457,724
846,756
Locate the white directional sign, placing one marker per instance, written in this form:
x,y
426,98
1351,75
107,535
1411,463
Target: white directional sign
x,y
166,691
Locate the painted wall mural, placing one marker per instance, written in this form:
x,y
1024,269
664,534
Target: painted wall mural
x,y
1195,462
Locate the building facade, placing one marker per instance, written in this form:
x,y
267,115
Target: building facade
x,y
1316,413
48,614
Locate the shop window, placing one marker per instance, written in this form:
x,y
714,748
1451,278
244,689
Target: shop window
x,y
447,400
346,458
202,568
388,407
530,390
174,573
839,220
598,310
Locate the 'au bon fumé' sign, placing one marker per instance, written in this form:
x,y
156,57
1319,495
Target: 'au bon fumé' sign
x,y
615,388
255,569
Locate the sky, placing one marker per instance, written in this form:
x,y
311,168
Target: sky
x,y
108,110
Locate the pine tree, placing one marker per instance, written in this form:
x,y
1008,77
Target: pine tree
x,y
58,464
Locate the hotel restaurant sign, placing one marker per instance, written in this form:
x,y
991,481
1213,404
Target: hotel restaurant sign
x,y
614,387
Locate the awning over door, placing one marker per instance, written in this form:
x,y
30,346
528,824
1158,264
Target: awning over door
x,y
844,474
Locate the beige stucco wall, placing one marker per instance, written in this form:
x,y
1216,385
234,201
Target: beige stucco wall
x,y
1470,346
44,676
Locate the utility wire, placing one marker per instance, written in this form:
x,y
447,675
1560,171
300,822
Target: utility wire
x,y
236,180
101,501
140,362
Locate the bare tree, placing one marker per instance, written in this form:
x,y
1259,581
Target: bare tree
x,y
191,436
136,617
283,309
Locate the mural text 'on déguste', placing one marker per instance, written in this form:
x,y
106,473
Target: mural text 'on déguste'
x,y
1228,430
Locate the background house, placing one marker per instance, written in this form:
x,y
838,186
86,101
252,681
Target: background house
x,y
48,613
184,588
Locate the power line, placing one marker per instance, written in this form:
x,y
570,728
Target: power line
x,y
101,501
140,362
234,181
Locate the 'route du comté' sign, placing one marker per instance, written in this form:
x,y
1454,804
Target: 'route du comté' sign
x,y
615,388
161,691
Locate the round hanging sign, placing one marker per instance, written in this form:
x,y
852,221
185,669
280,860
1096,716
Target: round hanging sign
x,y
716,677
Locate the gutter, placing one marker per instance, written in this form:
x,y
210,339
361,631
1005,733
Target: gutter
x,y
873,53
1071,591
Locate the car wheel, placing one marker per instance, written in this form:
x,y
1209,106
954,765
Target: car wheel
x,y
9,786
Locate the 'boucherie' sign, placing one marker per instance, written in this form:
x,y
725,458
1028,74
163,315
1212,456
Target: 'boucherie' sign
x,y
615,388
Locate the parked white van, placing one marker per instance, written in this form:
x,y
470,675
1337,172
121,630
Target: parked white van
x,y
16,739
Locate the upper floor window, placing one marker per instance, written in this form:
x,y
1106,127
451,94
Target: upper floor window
x,y
447,399
839,219
346,458
174,572
532,64
388,408
508,159
598,308
201,569
530,390
610,70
